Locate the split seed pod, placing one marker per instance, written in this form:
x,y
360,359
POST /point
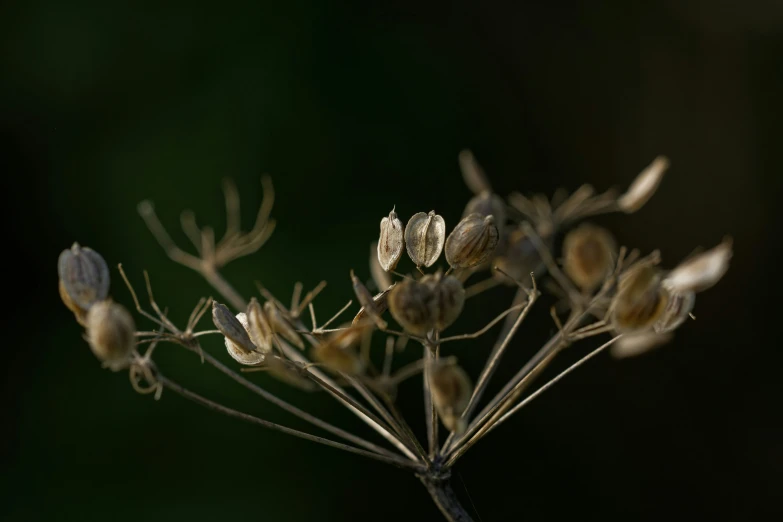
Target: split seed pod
x,y
110,333
281,326
237,339
449,299
472,241
451,391
84,277
640,301
589,254
258,327
644,186
390,242
424,237
339,351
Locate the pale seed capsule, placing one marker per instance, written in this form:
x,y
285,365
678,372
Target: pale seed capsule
x,y
644,186
390,242
110,333
380,304
449,299
678,309
84,276
258,327
451,391
472,241
339,351
238,352
702,271
281,326
589,254
640,301
411,305
637,343
424,238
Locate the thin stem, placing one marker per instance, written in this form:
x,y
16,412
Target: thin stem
x,y
393,459
446,500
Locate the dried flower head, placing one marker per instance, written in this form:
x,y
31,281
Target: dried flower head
x,y
390,242
110,333
424,238
472,241
451,391
84,278
589,254
644,186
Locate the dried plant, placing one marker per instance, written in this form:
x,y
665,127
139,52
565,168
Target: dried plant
x,y
605,290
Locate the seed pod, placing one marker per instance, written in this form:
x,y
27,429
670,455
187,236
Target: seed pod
x,y
472,241
380,277
637,343
238,352
451,391
84,276
110,333
487,204
644,186
258,327
678,309
640,301
80,314
411,305
391,241
589,254
339,351
519,258
472,173
449,299
702,271
367,301
380,303
424,237
281,326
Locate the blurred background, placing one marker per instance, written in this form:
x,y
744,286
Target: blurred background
x,y
353,108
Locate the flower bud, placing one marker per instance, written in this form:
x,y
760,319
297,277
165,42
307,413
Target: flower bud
x,y
258,327
472,241
589,254
84,277
390,242
281,326
110,333
424,237
451,391
339,351
644,186
640,300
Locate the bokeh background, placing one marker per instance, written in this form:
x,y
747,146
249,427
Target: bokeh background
x,y
353,108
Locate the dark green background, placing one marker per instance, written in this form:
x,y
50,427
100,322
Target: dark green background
x,y
352,109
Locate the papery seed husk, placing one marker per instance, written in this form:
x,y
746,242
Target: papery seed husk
x,y
110,333
701,271
633,344
380,303
258,327
424,238
451,387
411,305
281,326
390,242
589,254
644,186
84,275
238,352
449,299
640,300
678,309
232,327
380,277
472,241
474,176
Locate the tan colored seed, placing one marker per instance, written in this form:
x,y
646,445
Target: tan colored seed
x,y
451,391
84,276
644,186
339,351
640,301
390,242
231,327
678,309
472,241
448,301
702,271
110,333
589,253
258,327
487,204
424,238
238,352
410,303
